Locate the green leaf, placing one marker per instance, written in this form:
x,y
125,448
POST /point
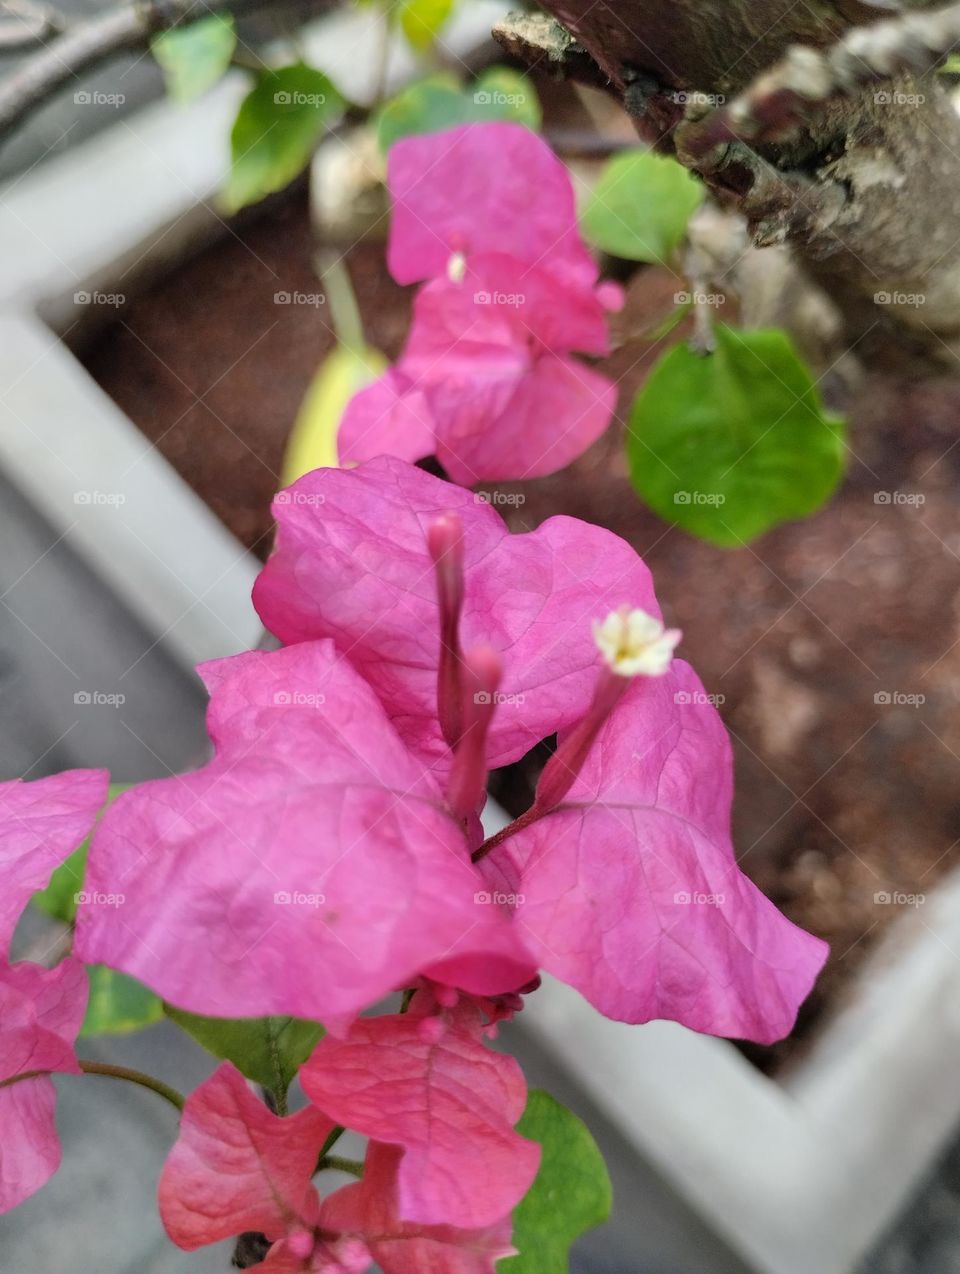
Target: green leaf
x,y
640,207
268,1050
440,101
422,20
59,899
730,444
571,1194
195,56
118,1004
277,128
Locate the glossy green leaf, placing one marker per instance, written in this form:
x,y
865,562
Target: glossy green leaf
x,y
268,1050
640,207
59,899
422,21
195,56
276,131
439,101
571,1194
118,1004
730,444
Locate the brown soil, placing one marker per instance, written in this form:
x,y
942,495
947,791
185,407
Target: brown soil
x,y
839,798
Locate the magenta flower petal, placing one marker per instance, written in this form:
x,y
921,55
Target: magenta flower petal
x,y
41,1011
631,890
472,190
41,824
404,1247
387,418
447,1099
308,869
237,1167
351,563
557,411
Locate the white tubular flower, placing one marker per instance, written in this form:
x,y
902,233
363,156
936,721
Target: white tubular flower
x,y
634,644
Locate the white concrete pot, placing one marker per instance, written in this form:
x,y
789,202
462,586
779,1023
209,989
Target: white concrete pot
x,y
799,1176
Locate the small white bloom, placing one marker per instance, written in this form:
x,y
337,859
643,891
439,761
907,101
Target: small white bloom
x,y
635,644
456,267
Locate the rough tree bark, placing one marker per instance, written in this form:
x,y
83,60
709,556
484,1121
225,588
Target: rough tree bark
x,y
822,122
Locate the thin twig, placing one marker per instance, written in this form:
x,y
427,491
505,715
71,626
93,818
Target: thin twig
x,y
140,1078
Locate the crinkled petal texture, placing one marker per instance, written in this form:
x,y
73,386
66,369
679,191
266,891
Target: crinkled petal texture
x,y
631,890
308,869
236,1166
351,563
41,824
41,1011
473,189
449,1101
486,364
403,1247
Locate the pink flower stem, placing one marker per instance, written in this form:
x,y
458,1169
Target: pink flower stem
x,y
445,542
468,775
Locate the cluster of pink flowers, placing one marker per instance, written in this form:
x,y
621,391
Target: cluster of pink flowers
x,y
485,213
332,852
